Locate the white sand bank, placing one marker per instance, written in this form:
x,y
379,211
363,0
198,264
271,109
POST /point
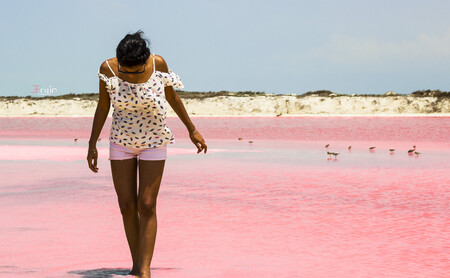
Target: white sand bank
x,y
252,106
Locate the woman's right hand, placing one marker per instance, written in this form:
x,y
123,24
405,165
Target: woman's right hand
x,y
92,155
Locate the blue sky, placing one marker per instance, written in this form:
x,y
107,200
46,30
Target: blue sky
x,y
281,47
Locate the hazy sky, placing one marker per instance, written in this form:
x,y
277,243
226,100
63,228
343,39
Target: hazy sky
x,y
289,47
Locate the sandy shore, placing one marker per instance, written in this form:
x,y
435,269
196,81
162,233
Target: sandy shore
x,y
259,105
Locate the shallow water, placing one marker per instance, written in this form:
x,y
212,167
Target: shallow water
x,y
279,206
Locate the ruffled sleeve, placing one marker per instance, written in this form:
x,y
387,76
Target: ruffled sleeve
x,y
106,79
171,79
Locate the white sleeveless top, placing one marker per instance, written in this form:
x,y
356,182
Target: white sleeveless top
x,y
139,116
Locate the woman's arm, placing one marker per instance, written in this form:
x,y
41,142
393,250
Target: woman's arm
x,y
101,113
177,105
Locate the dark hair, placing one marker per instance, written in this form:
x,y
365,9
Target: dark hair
x,y
133,50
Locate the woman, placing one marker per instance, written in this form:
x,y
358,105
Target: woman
x,y
139,84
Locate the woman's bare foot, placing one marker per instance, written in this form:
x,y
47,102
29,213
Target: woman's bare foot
x,y
134,271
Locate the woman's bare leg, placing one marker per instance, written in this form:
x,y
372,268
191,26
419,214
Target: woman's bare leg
x,y
150,176
124,173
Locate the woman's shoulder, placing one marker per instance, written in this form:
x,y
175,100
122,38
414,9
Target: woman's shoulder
x,y
104,69
160,64
168,77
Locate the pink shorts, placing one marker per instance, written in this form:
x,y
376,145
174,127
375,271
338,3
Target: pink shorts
x,y
119,152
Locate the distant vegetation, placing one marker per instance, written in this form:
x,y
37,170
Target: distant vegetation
x,y
203,95
422,93
430,93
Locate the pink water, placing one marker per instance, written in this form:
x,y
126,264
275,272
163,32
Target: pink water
x,y
277,207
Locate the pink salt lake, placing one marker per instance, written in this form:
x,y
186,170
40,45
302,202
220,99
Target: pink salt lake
x,y
277,207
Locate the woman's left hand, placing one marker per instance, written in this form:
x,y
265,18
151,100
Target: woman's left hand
x,y
92,156
198,141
